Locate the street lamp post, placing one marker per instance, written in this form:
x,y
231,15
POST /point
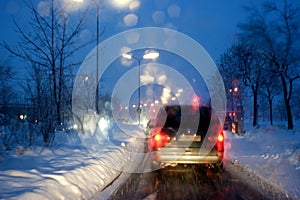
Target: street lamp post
x,y
117,3
97,56
146,56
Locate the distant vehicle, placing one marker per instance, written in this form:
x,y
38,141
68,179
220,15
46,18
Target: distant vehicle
x,y
186,135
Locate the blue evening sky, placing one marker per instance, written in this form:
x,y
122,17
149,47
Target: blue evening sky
x,y
212,23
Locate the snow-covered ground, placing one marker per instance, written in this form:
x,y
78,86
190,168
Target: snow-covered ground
x,y
270,153
67,170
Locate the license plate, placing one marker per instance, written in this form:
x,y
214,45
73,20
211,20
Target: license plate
x,y
189,138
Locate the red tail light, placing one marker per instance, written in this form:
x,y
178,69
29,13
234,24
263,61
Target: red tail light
x,y
220,142
159,140
220,138
157,137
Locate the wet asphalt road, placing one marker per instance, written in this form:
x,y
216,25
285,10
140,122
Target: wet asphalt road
x,y
186,182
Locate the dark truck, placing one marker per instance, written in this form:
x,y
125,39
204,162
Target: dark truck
x,y
186,135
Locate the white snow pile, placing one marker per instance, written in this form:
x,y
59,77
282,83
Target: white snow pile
x,y
66,170
271,153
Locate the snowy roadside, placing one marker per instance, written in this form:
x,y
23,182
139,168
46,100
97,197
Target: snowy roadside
x,y
269,155
65,171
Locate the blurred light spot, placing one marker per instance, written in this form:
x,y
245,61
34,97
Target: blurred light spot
x,y
120,3
130,20
125,61
75,126
12,7
85,35
133,38
43,8
174,11
134,5
125,50
103,124
161,79
74,5
158,17
147,79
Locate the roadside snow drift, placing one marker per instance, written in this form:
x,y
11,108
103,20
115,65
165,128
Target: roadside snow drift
x,y
67,170
271,153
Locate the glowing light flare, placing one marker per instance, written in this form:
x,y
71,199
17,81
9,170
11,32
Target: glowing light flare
x,y
23,116
103,124
121,3
220,138
74,5
157,137
134,5
180,90
195,102
127,56
147,79
147,56
75,126
151,55
161,79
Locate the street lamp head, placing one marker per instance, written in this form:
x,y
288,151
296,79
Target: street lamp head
x,y
127,56
121,3
151,55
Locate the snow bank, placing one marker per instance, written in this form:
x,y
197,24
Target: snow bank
x,y
271,153
66,170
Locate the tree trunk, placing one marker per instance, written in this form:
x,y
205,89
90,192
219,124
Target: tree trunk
x,y
287,104
271,111
289,116
255,110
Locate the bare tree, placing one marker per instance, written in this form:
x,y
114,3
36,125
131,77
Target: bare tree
x,y
6,88
49,46
7,94
270,89
276,31
244,62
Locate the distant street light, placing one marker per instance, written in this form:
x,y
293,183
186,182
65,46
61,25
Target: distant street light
x,y
146,56
232,91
